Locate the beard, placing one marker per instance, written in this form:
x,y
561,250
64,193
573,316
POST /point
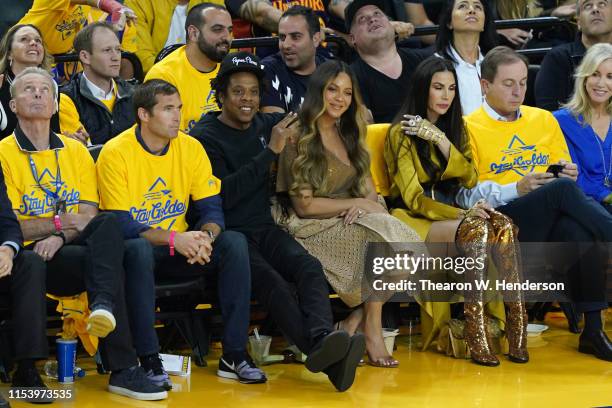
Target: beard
x,y
212,51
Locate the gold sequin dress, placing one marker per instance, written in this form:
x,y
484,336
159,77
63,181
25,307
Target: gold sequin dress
x,y
342,249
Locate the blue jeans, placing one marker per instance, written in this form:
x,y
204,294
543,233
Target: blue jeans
x,y
230,262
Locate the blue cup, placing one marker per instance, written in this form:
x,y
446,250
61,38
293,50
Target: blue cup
x,y
66,358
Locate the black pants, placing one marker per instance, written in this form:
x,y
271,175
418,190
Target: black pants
x,y
560,212
230,263
92,262
280,267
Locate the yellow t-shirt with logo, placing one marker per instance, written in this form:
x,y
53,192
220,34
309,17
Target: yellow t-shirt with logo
x,y
58,21
193,86
504,152
154,189
76,182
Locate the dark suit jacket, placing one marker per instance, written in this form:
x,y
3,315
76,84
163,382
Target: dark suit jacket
x,y
554,84
9,226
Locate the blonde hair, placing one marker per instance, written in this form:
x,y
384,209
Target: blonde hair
x,y
6,45
310,165
580,103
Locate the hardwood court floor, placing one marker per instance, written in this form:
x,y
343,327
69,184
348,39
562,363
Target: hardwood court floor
x,y
556,376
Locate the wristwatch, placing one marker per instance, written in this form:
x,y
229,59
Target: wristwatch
x,y
61,235
211,235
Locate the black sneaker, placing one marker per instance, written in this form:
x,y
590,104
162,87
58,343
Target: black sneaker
x,y
30,379
342,373
154,369
133,383
245,371
331,349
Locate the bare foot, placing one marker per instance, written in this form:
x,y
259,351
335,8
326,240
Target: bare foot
x,y
375,347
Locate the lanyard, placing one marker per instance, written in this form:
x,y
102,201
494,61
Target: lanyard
x,y
58,177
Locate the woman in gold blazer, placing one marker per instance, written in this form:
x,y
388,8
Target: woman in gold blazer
x,y
427,165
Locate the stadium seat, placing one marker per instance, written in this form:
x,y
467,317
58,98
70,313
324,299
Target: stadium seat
x,y
375,140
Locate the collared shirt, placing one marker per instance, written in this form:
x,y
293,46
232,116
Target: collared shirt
x,y
468,76
25,145
66,170
496,116
98,92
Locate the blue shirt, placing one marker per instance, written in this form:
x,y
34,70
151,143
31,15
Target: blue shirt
x,y
587,149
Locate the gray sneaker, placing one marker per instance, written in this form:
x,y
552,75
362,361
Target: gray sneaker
x,y
245,372
154,369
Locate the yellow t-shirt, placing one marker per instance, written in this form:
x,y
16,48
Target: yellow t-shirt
x,y
69,118
506,151
193,86
155,190
76,182
58,21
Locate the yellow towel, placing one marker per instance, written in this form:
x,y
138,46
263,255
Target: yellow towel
x,y
75,311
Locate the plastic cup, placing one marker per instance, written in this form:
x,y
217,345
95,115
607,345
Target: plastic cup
x,y
389,339
260,347
66,358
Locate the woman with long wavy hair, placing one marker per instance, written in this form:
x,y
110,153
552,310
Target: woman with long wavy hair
x,y
334,209
21,47
429,159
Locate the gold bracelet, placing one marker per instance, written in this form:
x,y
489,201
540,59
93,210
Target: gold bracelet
x,y
437,138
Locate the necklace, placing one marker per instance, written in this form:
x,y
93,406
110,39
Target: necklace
x,y
608,174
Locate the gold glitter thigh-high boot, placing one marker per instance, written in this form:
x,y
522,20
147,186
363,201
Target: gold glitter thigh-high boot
x,y
473,235
506,255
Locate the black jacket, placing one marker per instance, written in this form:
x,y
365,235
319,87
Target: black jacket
x,y
9,226
101,124
555,81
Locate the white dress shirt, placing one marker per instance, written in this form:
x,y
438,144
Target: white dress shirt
x,y
468,76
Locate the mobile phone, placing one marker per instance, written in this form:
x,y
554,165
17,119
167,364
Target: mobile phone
x,y
555,169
